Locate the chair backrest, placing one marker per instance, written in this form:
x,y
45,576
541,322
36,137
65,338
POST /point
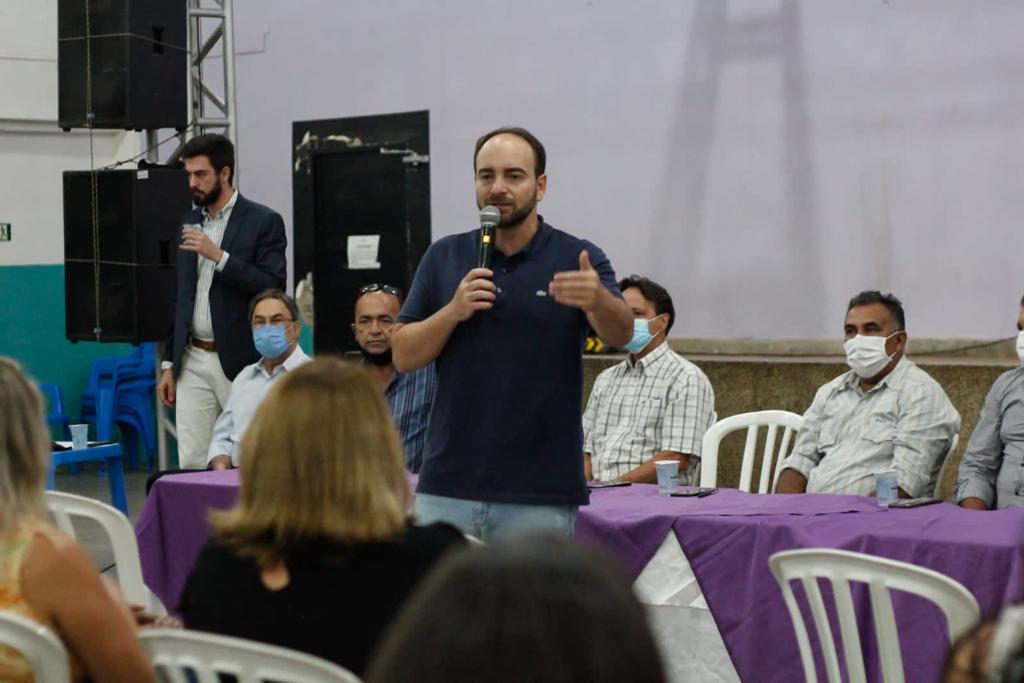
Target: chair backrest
x,y
194,657
55,415
945,465
64,506
42,650
881,575
773,420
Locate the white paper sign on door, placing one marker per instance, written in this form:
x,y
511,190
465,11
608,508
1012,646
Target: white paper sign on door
x,y
363,252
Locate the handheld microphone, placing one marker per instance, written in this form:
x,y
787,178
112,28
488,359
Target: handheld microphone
x,y
489,217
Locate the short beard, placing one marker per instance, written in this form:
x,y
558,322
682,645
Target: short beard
x,y
210,198
516,218
378,359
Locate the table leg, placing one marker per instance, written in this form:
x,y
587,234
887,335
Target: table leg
x,y
115,474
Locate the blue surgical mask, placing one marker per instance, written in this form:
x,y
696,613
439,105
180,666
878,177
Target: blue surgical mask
x,y
642,336
270,340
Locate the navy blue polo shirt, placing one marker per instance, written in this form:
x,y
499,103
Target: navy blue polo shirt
x,y
506,424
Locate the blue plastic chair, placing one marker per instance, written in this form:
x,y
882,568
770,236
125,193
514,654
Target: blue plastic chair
x,y
133,381
56,416
109,454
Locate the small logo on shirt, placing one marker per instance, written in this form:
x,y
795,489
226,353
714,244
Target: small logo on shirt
x,y
541,292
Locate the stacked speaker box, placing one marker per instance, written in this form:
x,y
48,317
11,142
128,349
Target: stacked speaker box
x,y
139,63
140,216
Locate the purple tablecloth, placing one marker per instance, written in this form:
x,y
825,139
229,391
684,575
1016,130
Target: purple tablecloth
x,y
172,527
727,538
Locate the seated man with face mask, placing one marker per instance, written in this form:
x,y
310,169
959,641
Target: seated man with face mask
x,y
992,470
885,414
655,405
275,331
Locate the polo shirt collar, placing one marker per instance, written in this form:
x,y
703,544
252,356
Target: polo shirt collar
x,y
536,243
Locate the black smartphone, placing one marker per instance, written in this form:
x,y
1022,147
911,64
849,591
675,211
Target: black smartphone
x,y
607,484
693,492
913,502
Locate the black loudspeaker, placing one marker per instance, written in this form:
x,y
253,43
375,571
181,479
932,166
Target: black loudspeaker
x,y
139,56
139,217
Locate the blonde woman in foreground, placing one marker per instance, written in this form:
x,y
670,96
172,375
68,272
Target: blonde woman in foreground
x,y
45,575
319,553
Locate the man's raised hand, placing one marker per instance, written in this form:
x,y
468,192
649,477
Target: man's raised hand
x,y
577,288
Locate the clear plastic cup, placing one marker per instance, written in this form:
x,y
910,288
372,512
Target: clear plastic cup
x,y
668,476
886,485
79,436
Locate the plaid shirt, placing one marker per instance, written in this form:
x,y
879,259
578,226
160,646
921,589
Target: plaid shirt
x,y
662,402
410,396
905,423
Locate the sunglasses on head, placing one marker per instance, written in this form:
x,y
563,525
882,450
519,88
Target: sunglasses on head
x,y
377,287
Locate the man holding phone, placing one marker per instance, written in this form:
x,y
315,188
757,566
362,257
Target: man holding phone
x,y
230,249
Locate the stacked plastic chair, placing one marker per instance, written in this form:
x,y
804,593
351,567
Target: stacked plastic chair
x,y
56,416
121,391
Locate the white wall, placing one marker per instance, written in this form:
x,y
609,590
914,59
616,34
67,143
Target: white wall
x,y
765,160
33,151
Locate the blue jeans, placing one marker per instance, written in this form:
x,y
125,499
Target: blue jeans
x,y
488,521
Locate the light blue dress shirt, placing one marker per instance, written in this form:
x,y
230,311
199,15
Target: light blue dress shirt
x,y
247,392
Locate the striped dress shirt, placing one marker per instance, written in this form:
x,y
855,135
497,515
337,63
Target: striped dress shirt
x,y
410,396
905,424
662,402
213,227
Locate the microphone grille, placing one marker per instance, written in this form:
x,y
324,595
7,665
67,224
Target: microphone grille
x,y
489,215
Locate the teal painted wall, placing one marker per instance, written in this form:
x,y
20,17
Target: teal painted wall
x,y
33,310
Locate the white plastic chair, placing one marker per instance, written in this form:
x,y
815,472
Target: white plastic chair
x,y
39,646
194,657
842,566
945,464
64,506
773,420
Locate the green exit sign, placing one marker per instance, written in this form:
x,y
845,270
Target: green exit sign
x,y
5,232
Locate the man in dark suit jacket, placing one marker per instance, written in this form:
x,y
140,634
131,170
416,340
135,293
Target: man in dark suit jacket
x,y
231,250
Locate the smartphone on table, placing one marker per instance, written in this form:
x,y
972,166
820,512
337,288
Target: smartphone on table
x,y
693,492
913,502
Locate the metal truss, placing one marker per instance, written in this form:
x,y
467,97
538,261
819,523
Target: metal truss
x,y
211,103
211,106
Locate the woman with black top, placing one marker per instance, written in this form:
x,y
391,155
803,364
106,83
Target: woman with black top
x,y
319,553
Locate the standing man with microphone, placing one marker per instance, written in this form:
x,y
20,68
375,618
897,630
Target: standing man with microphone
x,y
505,437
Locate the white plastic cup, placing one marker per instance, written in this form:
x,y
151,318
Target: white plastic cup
x,y
79,436
886,485
668,475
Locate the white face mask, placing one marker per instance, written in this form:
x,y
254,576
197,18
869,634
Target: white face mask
x,y
866,355
1020,346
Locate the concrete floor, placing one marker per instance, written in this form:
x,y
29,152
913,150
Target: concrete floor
x,y
91,484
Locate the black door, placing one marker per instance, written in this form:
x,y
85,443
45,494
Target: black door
x,y
378,191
